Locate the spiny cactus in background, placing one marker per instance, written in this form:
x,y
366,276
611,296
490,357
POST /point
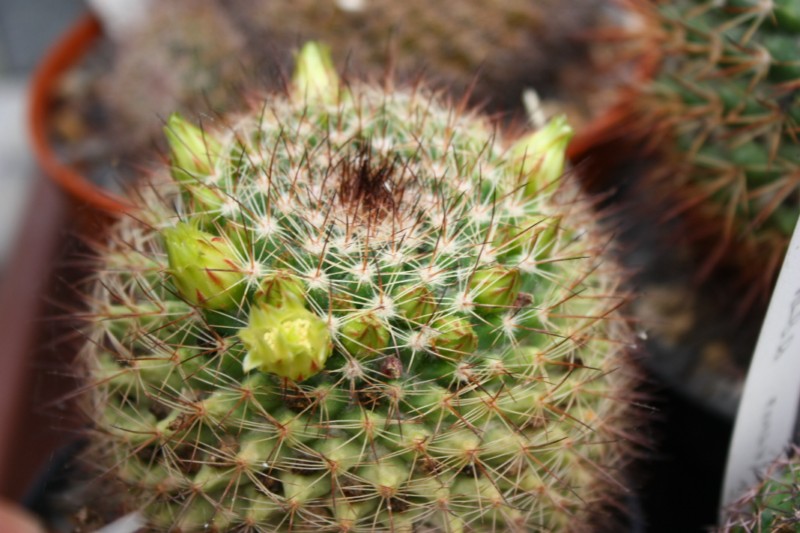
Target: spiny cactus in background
x,y
725,102
360,310
773,505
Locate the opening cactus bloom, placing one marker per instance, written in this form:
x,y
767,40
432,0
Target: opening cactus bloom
x,y
377,325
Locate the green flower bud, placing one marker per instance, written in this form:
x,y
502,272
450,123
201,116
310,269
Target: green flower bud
x,y
415,303
315,78
364,336
454,337
281,288
288,341
495,289
539,157
203,267
193,153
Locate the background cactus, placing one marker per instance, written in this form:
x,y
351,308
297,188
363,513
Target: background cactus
x,y
702,153
774,504
723,110
354,309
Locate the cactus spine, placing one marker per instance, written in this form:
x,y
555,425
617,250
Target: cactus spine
x,y
360,310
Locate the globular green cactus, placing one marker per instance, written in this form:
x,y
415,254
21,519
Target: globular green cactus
x,y
773,505
356,309
724,97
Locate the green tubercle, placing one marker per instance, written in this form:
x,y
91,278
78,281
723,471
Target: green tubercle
x,y
495,289
364,336
454,338
289,341
415,303
204,267
281,288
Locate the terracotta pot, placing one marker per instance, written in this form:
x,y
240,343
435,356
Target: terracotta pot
x,y
38,286
65,54
617,134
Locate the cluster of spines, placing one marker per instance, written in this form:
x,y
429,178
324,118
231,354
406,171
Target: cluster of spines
x,y
463,377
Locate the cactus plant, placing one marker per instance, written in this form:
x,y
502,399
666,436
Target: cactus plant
x,y
722,107
772,505
355,309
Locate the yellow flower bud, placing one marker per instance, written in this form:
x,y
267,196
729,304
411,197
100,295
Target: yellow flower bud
x,y
289,341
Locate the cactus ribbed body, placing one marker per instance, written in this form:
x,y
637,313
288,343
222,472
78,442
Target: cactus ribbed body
x,y
726,92
388,320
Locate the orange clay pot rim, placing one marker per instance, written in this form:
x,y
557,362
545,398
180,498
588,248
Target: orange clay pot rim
x,y
67,51
611,123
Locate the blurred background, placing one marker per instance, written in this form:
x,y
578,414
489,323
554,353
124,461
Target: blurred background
x,y
27,28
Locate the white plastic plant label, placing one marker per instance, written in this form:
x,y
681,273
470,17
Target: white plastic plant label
x,y
767,415
130,523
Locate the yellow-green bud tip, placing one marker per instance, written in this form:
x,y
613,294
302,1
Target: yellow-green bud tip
x,y
539,157
289,341
193,152
315,77
204,267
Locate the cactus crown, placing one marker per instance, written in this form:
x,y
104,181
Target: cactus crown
x,y
359,310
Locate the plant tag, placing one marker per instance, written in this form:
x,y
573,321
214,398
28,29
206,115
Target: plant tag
x,y
119,17
130,523
767,415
